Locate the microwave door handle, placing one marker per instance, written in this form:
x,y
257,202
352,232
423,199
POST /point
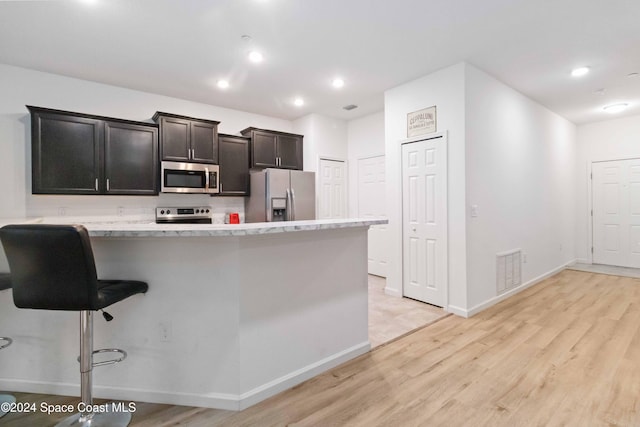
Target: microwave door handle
x,y
206,179
293,205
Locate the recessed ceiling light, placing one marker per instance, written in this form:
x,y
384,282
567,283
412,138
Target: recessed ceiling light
x,y
223,84
298,102
615,108
579,72
600,91
337,83
255,56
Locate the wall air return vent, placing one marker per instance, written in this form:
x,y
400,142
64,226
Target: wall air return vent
x,y
508,270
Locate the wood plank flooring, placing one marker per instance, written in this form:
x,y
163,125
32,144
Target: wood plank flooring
x,y
565,352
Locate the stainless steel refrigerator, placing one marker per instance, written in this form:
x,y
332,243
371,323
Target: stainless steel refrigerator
x,y
281,195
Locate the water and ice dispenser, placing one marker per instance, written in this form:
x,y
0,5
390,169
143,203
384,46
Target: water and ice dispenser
x,y
278,209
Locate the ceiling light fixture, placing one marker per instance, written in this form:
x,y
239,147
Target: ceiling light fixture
x,y
255,57
615,108
223,84
579,72
337,83
298,102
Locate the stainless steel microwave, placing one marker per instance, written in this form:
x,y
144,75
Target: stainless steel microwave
x,y
180,177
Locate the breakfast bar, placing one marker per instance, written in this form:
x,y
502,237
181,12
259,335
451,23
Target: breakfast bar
x,y
234,313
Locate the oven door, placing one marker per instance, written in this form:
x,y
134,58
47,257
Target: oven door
x,y
189,178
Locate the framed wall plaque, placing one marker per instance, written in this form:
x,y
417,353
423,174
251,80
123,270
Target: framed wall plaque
x,y
421,122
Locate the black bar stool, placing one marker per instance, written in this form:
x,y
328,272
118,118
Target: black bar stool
x,y
5,283
52,268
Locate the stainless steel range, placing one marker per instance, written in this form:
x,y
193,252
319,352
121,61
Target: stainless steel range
x,y
193,215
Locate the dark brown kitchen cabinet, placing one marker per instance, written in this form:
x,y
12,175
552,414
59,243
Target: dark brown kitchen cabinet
x,y
273,149
233,153
186,139
130,158
75,153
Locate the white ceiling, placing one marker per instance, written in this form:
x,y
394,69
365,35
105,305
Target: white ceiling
x,y
180,48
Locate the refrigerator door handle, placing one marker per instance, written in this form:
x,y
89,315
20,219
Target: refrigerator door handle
x,y
288,205
293,205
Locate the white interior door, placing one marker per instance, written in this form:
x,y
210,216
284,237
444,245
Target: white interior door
x,y
616,212
424,220
333,189
372,203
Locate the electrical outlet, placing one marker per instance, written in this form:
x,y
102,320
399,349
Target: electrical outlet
x,y
474,211
62,211
120,211
165,331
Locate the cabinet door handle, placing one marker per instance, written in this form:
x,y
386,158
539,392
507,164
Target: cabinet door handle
x,y
96,184
107,184
220,187
192,154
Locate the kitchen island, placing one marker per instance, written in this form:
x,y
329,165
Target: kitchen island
x,y
234,313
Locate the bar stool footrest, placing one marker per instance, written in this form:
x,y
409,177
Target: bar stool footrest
x,y
108,362
7,340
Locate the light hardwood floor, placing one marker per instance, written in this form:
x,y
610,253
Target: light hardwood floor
x,y
565,352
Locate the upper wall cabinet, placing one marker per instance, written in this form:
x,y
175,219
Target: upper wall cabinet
x,y
186,139
272,149
74,153
234,165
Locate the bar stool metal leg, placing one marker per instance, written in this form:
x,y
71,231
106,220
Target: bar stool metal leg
x,y
5,398
87,417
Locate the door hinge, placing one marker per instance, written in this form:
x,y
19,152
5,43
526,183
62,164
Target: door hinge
x,y
591,249
591,212
591,175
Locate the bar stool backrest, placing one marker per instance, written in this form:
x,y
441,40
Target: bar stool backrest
x,y
52,266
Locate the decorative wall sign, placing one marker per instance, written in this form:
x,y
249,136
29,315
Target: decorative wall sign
x,y
421,122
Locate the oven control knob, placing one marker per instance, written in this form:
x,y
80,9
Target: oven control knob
x,y
168,211
207,210
162,212
197,210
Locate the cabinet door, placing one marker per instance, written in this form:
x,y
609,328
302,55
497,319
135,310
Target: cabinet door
x,y
234,166
290,152
204,139
66,154
263,150
131,159
175,135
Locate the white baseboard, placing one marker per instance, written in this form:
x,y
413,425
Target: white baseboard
x,y
457,311
231,402
274,387
493,301
581,261
392,292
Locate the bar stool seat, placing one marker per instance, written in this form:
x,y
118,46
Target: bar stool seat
x,y
5,283
53,268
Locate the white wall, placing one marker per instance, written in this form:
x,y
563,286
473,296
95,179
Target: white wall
x,y
608,140
520,173
365,139
323,137
20,87
445,89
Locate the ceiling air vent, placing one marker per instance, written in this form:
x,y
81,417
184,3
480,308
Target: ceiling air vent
x,y
350,107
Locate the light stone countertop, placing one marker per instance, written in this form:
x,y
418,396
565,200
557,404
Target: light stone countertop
x,y
120,227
